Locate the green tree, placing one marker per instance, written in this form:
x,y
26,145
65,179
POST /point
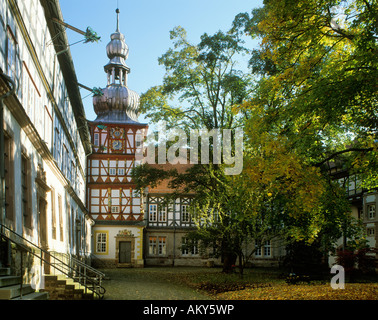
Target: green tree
x,y
202,83
201,89
315,105
317,64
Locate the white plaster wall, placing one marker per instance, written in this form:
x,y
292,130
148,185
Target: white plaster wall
x,y
33,17
112,233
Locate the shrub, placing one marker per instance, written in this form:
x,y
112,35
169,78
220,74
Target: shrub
x,y
347,259
365,261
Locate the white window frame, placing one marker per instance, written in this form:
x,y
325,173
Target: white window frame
x,y
370,232
192,251
258,251
96,139
184,250
115,209
371,210
162,246
267,248
11,53
162,213
101,242
152,246
157,246
152,212
138,140
185,215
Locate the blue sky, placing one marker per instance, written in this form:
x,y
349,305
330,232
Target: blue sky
x,y
146,25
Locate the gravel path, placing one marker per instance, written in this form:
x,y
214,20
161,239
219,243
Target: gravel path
x,y
147,284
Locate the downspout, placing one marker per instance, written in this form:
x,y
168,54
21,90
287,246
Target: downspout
x,y
2,165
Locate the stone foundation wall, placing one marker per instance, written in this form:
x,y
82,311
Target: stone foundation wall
x,y
61,290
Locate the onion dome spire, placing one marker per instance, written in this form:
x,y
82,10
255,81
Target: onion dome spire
x,y
118,103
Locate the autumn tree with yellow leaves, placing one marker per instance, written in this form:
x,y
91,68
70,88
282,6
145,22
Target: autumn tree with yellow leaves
x,y
313,105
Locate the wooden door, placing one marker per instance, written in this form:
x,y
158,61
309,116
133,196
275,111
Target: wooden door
x,y
42,223
125,252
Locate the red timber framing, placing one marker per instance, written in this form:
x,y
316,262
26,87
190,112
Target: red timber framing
x,y
122,204
110,169
117,139
111,193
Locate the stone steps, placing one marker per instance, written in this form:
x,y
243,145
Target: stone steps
x,y
10,288
63,288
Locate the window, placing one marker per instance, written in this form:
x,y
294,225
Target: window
x,y
152,212
162,213
267,248
101,242
152,246
96,140
53,214
189,248
114,170
263,250
73,175
31,99
11,53
185,246
157,246
60,212
65,160
70,214
115,209
9,177
57,146
138,141
162,247
26,190
47,127
371,211
185,213
23,186
370,232
258,252
195,247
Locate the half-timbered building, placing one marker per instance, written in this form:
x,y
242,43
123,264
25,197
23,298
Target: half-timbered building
x,y
43,141
168,223
117,137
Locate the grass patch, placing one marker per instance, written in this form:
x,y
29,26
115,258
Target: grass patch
x,y
267,284
352,291
213,281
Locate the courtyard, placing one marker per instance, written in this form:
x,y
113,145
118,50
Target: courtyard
x,y
182,283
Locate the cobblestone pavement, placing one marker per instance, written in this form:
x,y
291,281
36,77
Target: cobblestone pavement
x,y
147,284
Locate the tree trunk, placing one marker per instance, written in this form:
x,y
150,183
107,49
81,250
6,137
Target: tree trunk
x,y
241,266
229,260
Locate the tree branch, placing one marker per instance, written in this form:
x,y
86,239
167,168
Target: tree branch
x,y
341,152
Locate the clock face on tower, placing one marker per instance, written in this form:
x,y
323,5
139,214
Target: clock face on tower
x,y
117,145
117,133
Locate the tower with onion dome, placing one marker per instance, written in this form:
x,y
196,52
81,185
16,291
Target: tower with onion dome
x,y
117,136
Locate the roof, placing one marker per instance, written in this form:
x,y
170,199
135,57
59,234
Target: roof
x,y
163,186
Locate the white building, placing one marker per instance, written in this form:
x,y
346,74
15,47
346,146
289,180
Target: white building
x,y
45,134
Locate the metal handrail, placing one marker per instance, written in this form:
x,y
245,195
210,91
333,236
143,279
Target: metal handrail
x,y
59,265
76,264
